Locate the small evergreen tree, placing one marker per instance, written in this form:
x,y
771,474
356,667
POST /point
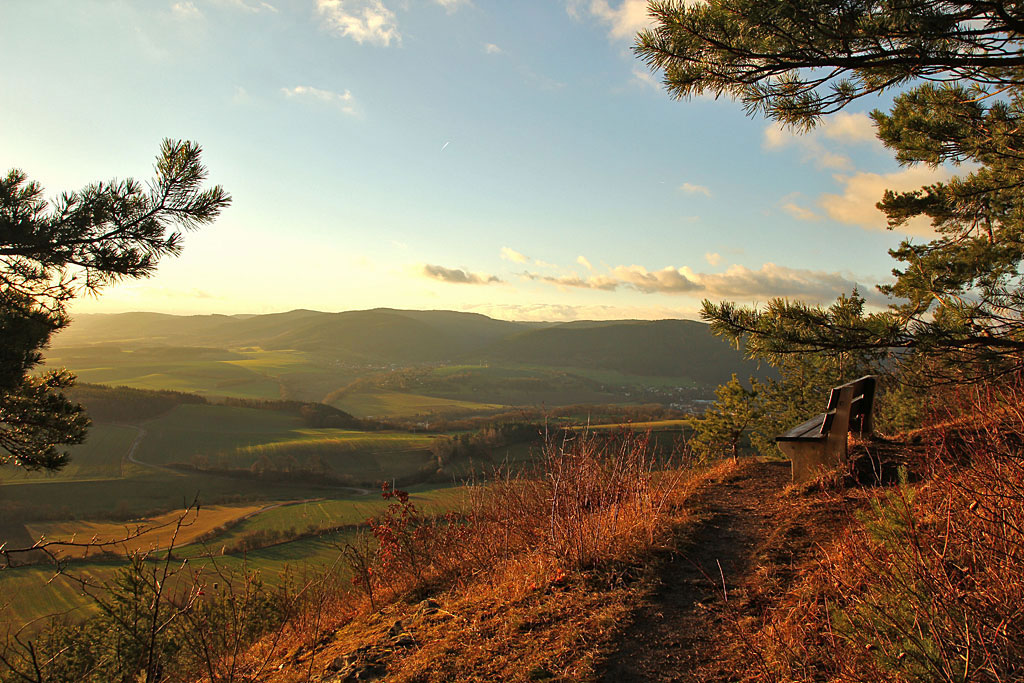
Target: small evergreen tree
x,y
719,432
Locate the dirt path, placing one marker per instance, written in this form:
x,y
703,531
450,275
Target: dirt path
x,y
745,529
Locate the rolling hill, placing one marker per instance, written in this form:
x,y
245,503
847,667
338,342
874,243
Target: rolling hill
x,y
663,348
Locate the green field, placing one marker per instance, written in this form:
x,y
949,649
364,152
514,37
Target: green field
x,y
30,592
27,593
324,514
248,373
358,457
522,384
363,389
179,527
188,430
140,495
654,426
263,475
100,457
464,387
231,438
98,484
247,433
615,378
204,377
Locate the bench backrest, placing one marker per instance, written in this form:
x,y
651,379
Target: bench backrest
x,y
849,407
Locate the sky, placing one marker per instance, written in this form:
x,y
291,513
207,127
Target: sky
x,y
507,158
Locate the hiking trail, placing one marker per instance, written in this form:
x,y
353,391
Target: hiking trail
x,y
734,561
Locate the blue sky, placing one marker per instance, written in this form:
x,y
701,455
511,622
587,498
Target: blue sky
x,y
508,158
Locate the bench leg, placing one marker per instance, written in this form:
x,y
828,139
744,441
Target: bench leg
x,y
811,459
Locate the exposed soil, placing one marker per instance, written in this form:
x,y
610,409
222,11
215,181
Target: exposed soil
x,y
743,554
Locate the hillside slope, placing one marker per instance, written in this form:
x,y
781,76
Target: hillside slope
x,y
666,618
660,348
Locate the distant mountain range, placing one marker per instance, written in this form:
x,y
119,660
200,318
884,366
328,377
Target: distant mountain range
x,y
660,348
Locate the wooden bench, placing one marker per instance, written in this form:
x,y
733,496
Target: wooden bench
x,y
820,443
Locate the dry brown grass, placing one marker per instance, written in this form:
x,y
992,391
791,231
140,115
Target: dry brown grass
x,y
531,581
929,586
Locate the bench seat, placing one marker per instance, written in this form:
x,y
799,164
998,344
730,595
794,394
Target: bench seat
x,y
814,429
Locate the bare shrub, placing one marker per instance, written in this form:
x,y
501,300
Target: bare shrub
x,y
592,498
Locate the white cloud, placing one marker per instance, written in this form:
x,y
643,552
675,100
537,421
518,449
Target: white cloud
x,y
573,280
623,20
364,21
777,137
255,6
690,188
799,212
843,128
492,49
862,191
185,10
667,280
811,147
543,264
582,260
819,145
713,258
510,254
458,276
772,280
240,96
342,100
564,312
737,282
645,77
849,128
452,5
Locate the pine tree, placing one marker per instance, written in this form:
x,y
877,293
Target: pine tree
x,y
51,252
959,298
